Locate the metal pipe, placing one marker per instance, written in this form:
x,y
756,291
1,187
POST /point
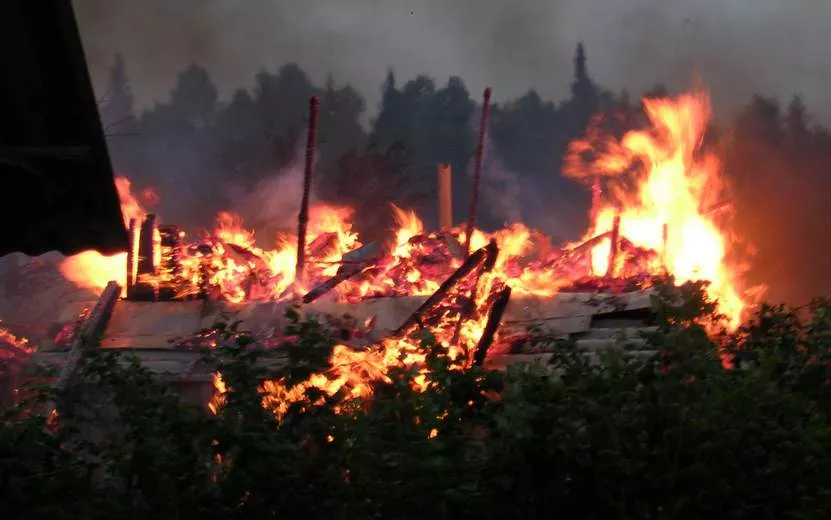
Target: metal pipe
x,y
445,192
303,217
477,170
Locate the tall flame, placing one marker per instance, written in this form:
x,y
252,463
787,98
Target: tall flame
x,y
677,187
658,191
91,269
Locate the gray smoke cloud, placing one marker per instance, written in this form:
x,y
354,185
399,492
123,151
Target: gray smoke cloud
x,y
739,47
273,204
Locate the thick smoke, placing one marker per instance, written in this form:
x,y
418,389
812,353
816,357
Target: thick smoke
x,y
273,204
740,47
508,197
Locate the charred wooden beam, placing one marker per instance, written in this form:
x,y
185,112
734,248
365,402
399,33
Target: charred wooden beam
x,y
491,326
146,260
132,258
477,259
477,170
368,252
146,288
614,246
92,328
303,217
665,245
487,266
344,274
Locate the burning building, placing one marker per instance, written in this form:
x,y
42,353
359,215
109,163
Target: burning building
x,y
659,208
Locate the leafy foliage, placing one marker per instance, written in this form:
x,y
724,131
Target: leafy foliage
x,y
673,435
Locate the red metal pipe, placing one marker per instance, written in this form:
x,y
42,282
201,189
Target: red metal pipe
x,y
303,217
477,170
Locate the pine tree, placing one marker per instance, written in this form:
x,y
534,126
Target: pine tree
x,y
582,88
797,120
117,107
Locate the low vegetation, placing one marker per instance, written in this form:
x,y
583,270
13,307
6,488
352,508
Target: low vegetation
x,y
672,436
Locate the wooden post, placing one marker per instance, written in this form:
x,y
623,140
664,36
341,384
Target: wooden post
x,y
303,217
613,247
146,290
445,191
665,252
132,258
477,170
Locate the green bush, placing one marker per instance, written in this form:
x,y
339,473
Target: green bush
x,y
674,436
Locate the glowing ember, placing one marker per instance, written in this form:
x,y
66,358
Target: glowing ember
x,y
14,349
219,394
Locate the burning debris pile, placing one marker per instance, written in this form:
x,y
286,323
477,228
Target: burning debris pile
x,y
657,209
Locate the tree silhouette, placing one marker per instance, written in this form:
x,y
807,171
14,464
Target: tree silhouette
x,y
116,107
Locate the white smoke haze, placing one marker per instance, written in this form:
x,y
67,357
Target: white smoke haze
x,y
273,203
739,47
500,188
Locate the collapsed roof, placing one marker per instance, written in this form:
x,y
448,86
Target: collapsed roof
x,y
57,180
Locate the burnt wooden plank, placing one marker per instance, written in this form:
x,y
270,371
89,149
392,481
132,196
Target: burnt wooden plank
x,y
92,328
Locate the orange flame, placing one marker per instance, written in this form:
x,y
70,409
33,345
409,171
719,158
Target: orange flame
x,y
661,185
20,345
678,183
92,270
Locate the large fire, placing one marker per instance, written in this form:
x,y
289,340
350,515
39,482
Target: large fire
x,y
659,208
678,205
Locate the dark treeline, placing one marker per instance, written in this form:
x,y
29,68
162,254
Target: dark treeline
x,y
202,155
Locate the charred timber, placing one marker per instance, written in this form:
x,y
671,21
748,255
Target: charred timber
x,y
147,269
487,266
491,326
303,217
132,261
344,274
477,259
91,329
614,247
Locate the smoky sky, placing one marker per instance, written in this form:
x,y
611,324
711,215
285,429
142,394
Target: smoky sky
x,y
738,47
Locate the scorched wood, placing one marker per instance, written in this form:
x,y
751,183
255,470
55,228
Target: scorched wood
x,y
90,330
475,260
491,326
132,261
331,283
145,289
